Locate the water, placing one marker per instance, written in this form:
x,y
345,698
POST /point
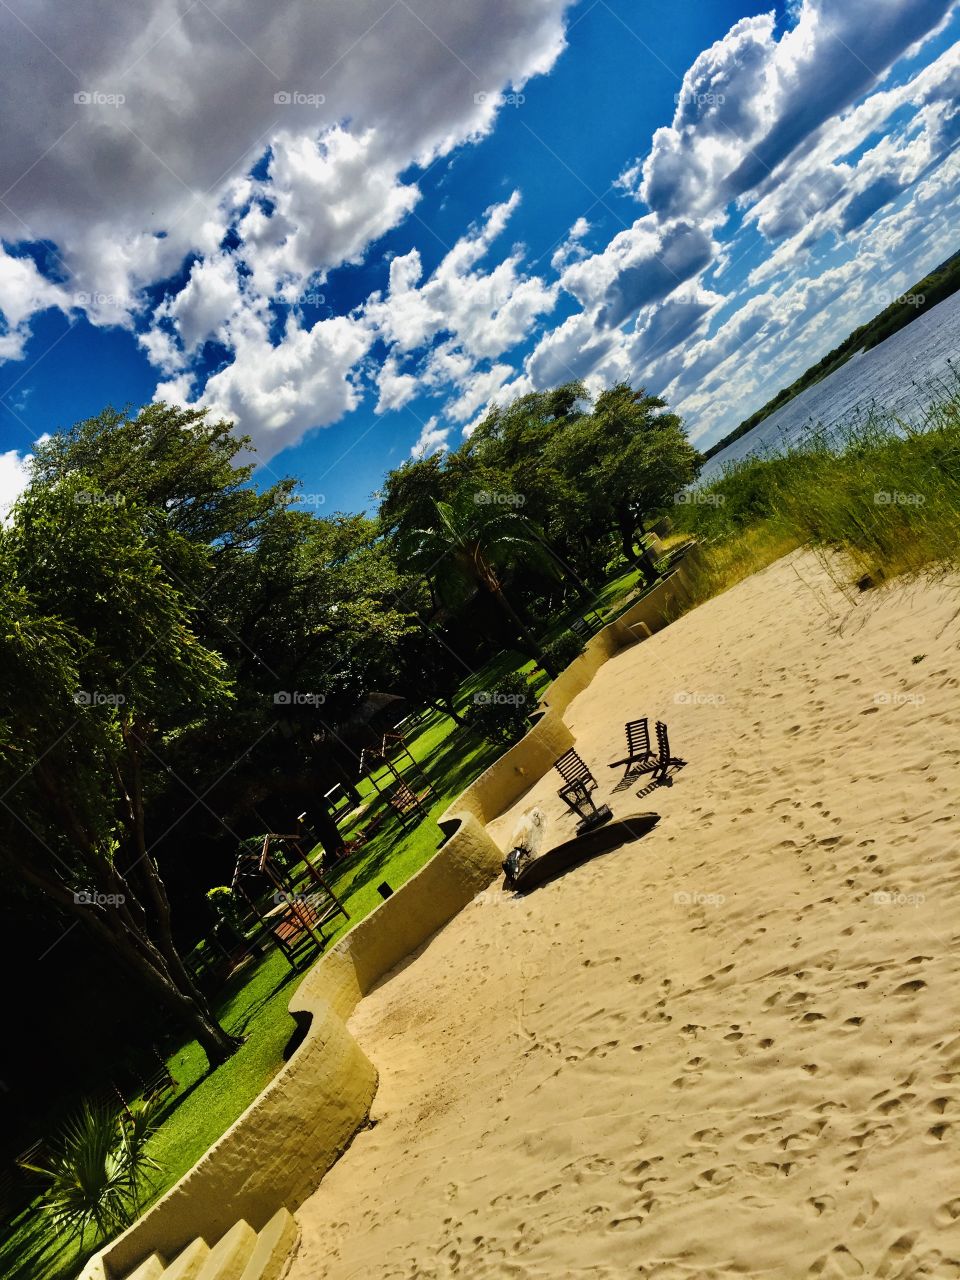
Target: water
x,y
901,376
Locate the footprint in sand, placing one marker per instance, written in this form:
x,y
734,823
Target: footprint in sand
x,y
706,1137
821,1204
839,1262
948,1213
716,1177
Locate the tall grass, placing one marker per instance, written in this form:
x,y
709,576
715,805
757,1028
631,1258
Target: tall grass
x,y
882,492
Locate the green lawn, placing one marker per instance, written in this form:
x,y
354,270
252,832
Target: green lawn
x,y
254,1001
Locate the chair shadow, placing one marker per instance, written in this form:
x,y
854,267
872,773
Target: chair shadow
x,y
664,780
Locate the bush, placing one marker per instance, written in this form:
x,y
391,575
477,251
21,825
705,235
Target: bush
x,y
499,714
98,1169
562,651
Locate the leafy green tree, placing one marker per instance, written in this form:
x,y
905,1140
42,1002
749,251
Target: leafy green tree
x,y
430,671
470,545
98,665
644,457
297,607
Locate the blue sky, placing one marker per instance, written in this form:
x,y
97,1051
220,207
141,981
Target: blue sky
x,y
352,231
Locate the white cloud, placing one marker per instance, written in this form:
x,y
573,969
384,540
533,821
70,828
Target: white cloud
x,y
24,291
277,393
432,439
14,478
174,108
571,249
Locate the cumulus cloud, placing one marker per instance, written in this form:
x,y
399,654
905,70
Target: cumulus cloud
x,y
788,147
23,292
432,439
277,392
14,478
465,316
751,100
127,142
639,266
798,137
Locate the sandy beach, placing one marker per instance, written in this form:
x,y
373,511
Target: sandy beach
x,y
731,1049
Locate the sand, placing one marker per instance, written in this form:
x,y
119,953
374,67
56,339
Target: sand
x,y
732,1048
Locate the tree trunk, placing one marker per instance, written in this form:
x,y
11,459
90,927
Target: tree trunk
x,y
116,929
445,706
325,826
523,634
626,528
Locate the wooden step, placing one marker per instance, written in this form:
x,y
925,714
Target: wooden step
x,y
186,1265
230,1255
274,1245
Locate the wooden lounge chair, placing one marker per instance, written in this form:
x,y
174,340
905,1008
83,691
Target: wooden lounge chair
x,y
665,761
640,757
405,802
587,626
576,776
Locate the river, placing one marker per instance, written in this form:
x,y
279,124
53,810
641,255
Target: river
x,y
900,376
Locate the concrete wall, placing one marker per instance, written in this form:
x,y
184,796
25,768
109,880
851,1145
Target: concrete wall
x,y
277,1152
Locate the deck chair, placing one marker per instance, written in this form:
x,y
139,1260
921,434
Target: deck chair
x,y
586,626
665,761
576,774
640,757
406,803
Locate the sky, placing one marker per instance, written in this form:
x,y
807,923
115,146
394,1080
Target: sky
x,y
352,228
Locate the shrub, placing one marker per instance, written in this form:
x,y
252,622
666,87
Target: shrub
x,y
499,714
98,1169
562,651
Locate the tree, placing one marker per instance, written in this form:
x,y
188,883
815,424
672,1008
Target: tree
x,y
643,458
98,665
470,545
305,612
430,670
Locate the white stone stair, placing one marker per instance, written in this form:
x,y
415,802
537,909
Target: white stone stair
x,y
241,1254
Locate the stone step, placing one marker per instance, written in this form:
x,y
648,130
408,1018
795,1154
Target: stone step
x,y
186,1265
274,1245
151,1268
228,1258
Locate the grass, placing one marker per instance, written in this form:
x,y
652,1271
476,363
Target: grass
x,y
254,1001
883,494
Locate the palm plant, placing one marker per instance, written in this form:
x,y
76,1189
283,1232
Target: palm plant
x,y
471,543
97,1169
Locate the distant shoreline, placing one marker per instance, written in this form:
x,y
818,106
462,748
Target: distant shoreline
x,y
940,283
